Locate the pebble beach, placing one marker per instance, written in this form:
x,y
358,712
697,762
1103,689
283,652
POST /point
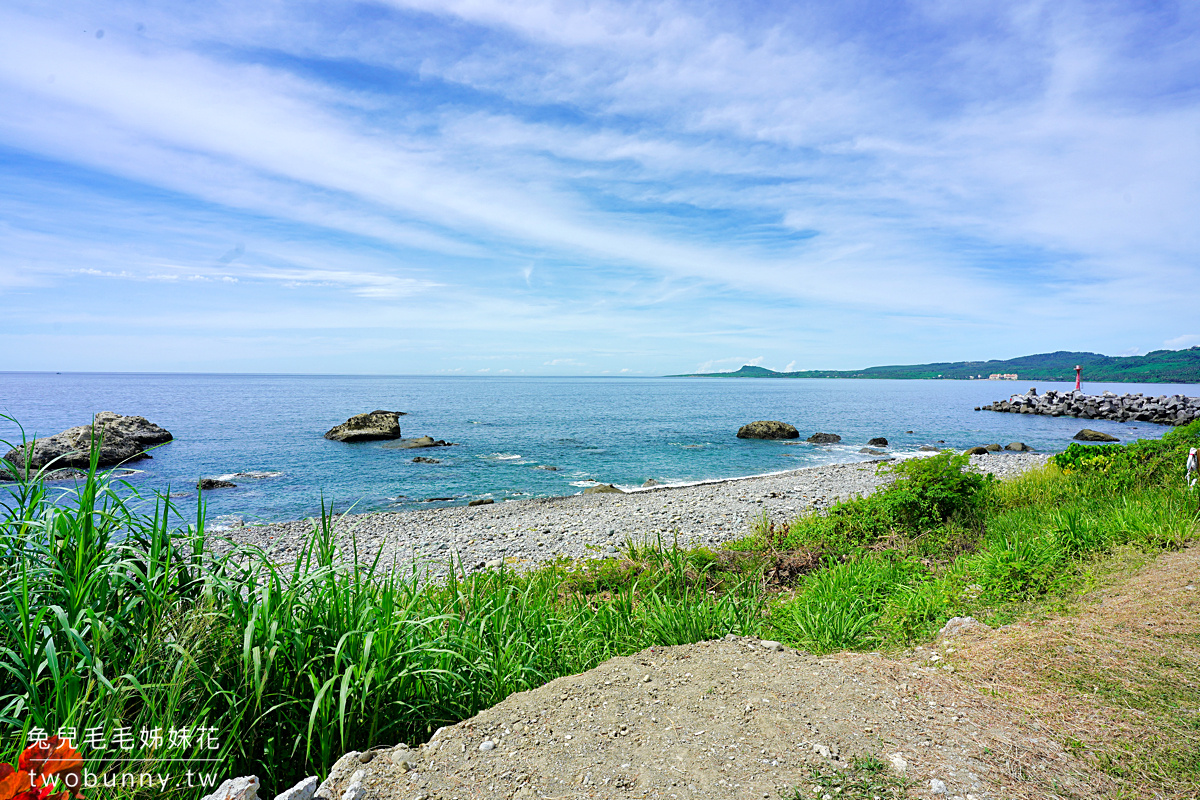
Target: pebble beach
x,y
525,533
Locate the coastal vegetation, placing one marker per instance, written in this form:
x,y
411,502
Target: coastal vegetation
x,y
1159,366
120,618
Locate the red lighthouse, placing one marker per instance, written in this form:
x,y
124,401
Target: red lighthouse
x,y
1078,369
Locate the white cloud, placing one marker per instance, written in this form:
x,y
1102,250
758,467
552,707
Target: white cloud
x,y
1182,342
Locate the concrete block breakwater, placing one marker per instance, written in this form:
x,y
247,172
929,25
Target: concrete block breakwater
x,y
1164,410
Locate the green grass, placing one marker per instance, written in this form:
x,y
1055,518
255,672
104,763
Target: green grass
x,y
865,778
115,615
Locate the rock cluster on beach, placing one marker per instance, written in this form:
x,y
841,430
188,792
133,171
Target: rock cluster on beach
x,y
1164,410
370,427
122,439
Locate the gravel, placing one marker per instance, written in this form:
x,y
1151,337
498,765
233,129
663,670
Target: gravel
x,y
728,719
524,533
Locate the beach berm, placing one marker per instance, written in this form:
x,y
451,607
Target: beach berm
x,y
524,533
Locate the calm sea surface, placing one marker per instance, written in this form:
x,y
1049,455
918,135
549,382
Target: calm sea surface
x,y
617,430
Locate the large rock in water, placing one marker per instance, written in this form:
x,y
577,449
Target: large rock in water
x,y
121,439
768,429
369,427
1089,435
824,438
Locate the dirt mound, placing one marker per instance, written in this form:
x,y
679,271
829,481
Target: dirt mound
x,y
982,715
728,718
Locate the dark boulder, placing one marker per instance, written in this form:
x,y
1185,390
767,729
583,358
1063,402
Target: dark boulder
x,y
121,439
604,488
824,438
1089,435
204,484
369,427
878,441
993,448
484,501
975,451
1018,447
424,460
768,429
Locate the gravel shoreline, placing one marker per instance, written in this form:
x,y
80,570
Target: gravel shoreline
x,y
525,533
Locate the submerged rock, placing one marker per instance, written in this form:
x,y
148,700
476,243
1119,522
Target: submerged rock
x,y
649,482
424,460
121,439
872,451
824,438
483,501
205,484
412,444
768,429
369,427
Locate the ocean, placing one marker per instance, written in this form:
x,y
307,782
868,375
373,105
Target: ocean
x,y
265,432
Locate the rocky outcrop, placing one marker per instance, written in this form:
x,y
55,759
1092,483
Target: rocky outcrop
x,y
121,439
204,484
369,427
424,460
824,438
139,429
1089,435
878,441
768,429
1173,409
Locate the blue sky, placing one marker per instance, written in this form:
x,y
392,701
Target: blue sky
x,y
556,188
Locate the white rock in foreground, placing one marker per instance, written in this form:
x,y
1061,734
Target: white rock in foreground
x,y
236,789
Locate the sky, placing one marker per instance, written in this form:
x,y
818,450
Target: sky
x,y
478,187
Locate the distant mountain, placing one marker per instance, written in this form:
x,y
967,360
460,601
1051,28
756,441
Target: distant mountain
x,y
1161,366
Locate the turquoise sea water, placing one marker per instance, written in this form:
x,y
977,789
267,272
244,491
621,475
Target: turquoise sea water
x,y
617,430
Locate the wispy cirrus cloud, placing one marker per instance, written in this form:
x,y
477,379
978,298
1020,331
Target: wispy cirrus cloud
x,y
835,188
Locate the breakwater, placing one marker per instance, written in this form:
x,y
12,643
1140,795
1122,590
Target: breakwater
x,y
1173,409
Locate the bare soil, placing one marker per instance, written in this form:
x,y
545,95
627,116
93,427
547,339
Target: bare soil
x,y
987,713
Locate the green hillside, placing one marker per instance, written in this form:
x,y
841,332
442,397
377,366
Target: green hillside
x,y
1160,366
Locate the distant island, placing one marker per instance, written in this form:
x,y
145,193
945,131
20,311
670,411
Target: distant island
x,y
1160,366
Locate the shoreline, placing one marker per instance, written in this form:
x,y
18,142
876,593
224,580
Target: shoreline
x,y
524,534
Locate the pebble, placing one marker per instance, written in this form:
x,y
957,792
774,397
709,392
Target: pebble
x,y
488,744
936,786
526,533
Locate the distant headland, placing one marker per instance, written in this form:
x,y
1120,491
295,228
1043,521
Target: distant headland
x,y
1160,366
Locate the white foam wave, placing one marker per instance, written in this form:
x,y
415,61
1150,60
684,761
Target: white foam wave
x,y
250,475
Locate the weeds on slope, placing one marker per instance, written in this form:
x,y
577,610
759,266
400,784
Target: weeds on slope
x,y
120,626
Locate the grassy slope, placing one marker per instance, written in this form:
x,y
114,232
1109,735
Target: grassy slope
x,y
1160,366
300,662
